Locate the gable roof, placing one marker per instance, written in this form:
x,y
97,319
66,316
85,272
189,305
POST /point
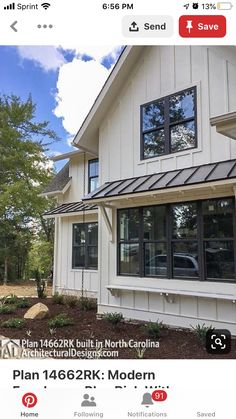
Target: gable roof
x,y
59,183
225,170
87,136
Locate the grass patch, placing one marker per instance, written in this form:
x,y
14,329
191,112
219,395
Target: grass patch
x,y
153,329
70,301
61,320
200,331
5,309
87,304
14,323
58,298
114,318
11,299
23,303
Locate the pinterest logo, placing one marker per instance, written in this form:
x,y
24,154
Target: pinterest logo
x,y
29,400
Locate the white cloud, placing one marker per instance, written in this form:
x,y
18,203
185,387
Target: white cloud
x,y
97,52
78,85
46,57
79,81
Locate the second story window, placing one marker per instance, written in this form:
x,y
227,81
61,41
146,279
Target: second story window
x,y
92,175
169,124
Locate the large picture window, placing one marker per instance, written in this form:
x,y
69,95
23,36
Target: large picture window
x,y
194,240
168,124
85,246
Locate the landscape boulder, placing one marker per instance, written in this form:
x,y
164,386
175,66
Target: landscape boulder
x,y
38,311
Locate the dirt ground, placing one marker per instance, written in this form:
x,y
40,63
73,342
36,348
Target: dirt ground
x,y
87,330
26,290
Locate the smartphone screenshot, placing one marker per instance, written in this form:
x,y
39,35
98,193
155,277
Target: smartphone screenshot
x,y
117,209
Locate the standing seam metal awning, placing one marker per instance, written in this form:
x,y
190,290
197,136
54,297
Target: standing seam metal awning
x,y
183,177
71,208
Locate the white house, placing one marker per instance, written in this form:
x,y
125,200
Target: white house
x,y
163,129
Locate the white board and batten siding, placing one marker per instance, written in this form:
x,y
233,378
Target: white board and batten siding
x,y
69,280
79,175
161,71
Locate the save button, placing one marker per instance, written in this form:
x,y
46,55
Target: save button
x,y
192,26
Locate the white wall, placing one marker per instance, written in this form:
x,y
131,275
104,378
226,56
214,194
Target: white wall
x,y
78,170
163,70
66,279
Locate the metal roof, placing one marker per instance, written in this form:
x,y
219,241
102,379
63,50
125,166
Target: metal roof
x,y
59,182
189,176
70,207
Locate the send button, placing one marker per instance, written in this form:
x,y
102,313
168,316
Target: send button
x,y
148,26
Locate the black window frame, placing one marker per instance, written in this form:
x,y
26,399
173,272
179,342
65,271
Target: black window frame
x,y
89,176
200,240
167,124
86,246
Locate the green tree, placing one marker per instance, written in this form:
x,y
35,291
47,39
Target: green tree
x,y
24,171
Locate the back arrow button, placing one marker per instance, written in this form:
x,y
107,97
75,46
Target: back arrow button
x,y
13,26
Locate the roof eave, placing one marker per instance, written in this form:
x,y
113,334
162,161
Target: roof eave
x,y
69,155
211,185
58,192
72,214
87,136
225,124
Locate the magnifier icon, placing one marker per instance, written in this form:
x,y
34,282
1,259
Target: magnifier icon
x,y
218,341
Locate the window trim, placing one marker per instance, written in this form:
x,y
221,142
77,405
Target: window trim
x,y
169,239
91,177
86,245
167,124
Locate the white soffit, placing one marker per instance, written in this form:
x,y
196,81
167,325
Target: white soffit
x,y
225,124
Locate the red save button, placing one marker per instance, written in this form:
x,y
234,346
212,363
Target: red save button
x,y
192,26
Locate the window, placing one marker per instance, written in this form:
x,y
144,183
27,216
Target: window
x,y
193,240
168,125
92,175
184,240
129,241
85,246
218,239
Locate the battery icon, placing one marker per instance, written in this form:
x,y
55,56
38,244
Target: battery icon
x,y
224,5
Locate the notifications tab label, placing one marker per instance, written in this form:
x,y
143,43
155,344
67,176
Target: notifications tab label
x,y
202,26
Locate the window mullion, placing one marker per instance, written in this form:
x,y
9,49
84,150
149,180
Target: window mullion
x,y
167,125
141,244
234,235
169,258
86,246
201,251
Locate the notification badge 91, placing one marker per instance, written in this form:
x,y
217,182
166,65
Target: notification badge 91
x,y
29,400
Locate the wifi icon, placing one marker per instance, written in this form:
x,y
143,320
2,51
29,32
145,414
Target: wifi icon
x,y
45,5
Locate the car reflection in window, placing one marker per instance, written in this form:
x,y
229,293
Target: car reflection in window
x,y
184,265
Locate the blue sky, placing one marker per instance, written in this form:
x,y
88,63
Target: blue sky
x,y
59,80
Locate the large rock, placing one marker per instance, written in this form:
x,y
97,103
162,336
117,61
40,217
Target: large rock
x,y
38,311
